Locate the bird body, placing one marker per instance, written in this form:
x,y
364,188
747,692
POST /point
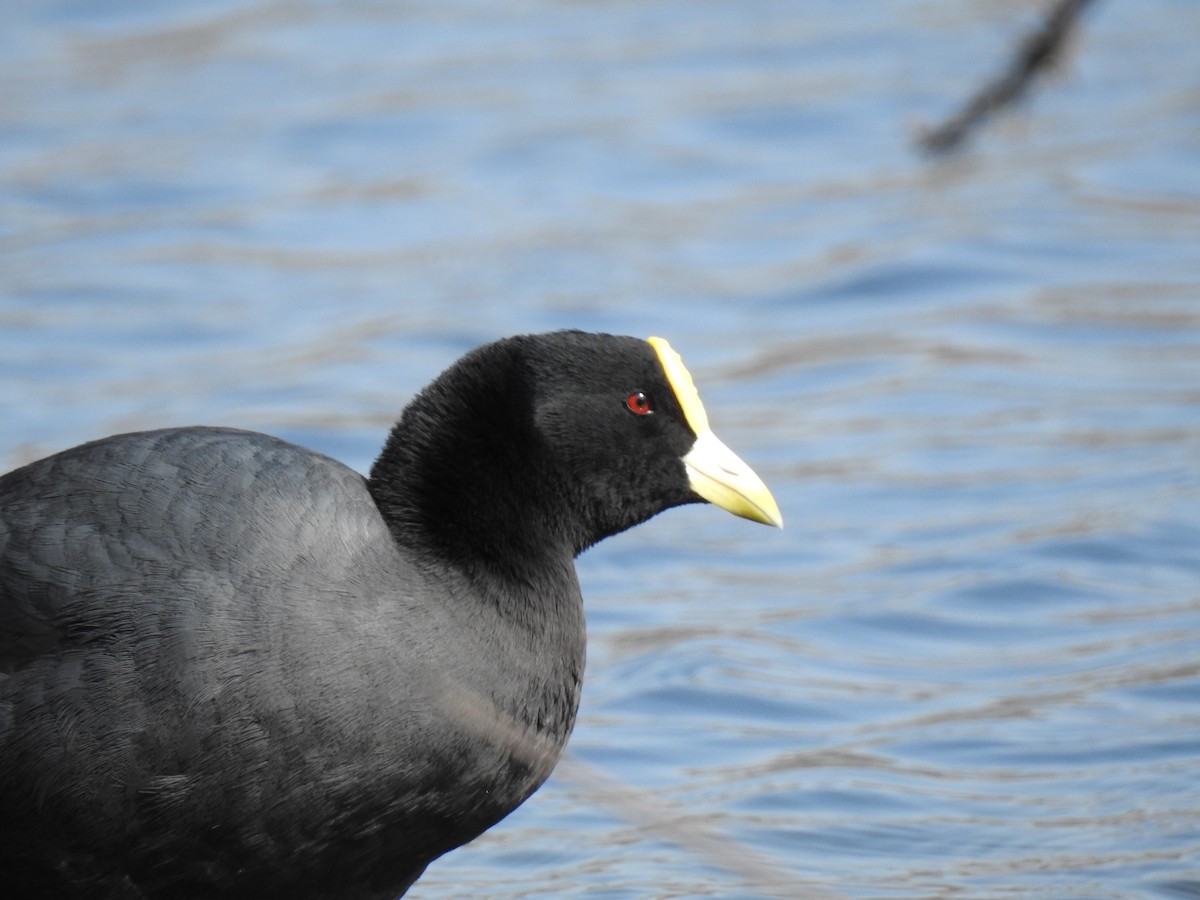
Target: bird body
x,y
231,667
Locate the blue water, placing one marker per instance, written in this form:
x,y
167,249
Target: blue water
x,y
970,666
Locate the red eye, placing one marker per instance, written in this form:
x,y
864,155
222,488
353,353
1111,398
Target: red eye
x,y
639,403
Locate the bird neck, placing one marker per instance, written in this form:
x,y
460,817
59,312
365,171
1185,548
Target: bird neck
x,y
463,478
467,492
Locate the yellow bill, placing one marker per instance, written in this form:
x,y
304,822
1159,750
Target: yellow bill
x,y
714,471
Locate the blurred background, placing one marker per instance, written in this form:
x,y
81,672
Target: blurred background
x,y
970,666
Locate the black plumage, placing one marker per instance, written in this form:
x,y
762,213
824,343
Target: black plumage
x,y
234,668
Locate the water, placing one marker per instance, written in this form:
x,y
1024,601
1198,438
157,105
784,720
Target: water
x,y
970,666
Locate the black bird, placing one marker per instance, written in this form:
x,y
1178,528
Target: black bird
x,y
234,668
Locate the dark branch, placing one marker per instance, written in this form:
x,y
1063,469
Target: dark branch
x,y
1037,52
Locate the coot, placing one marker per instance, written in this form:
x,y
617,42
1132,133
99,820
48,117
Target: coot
x,y
234,668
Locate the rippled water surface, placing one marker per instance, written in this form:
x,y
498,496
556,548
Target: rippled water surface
x,y
970,666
